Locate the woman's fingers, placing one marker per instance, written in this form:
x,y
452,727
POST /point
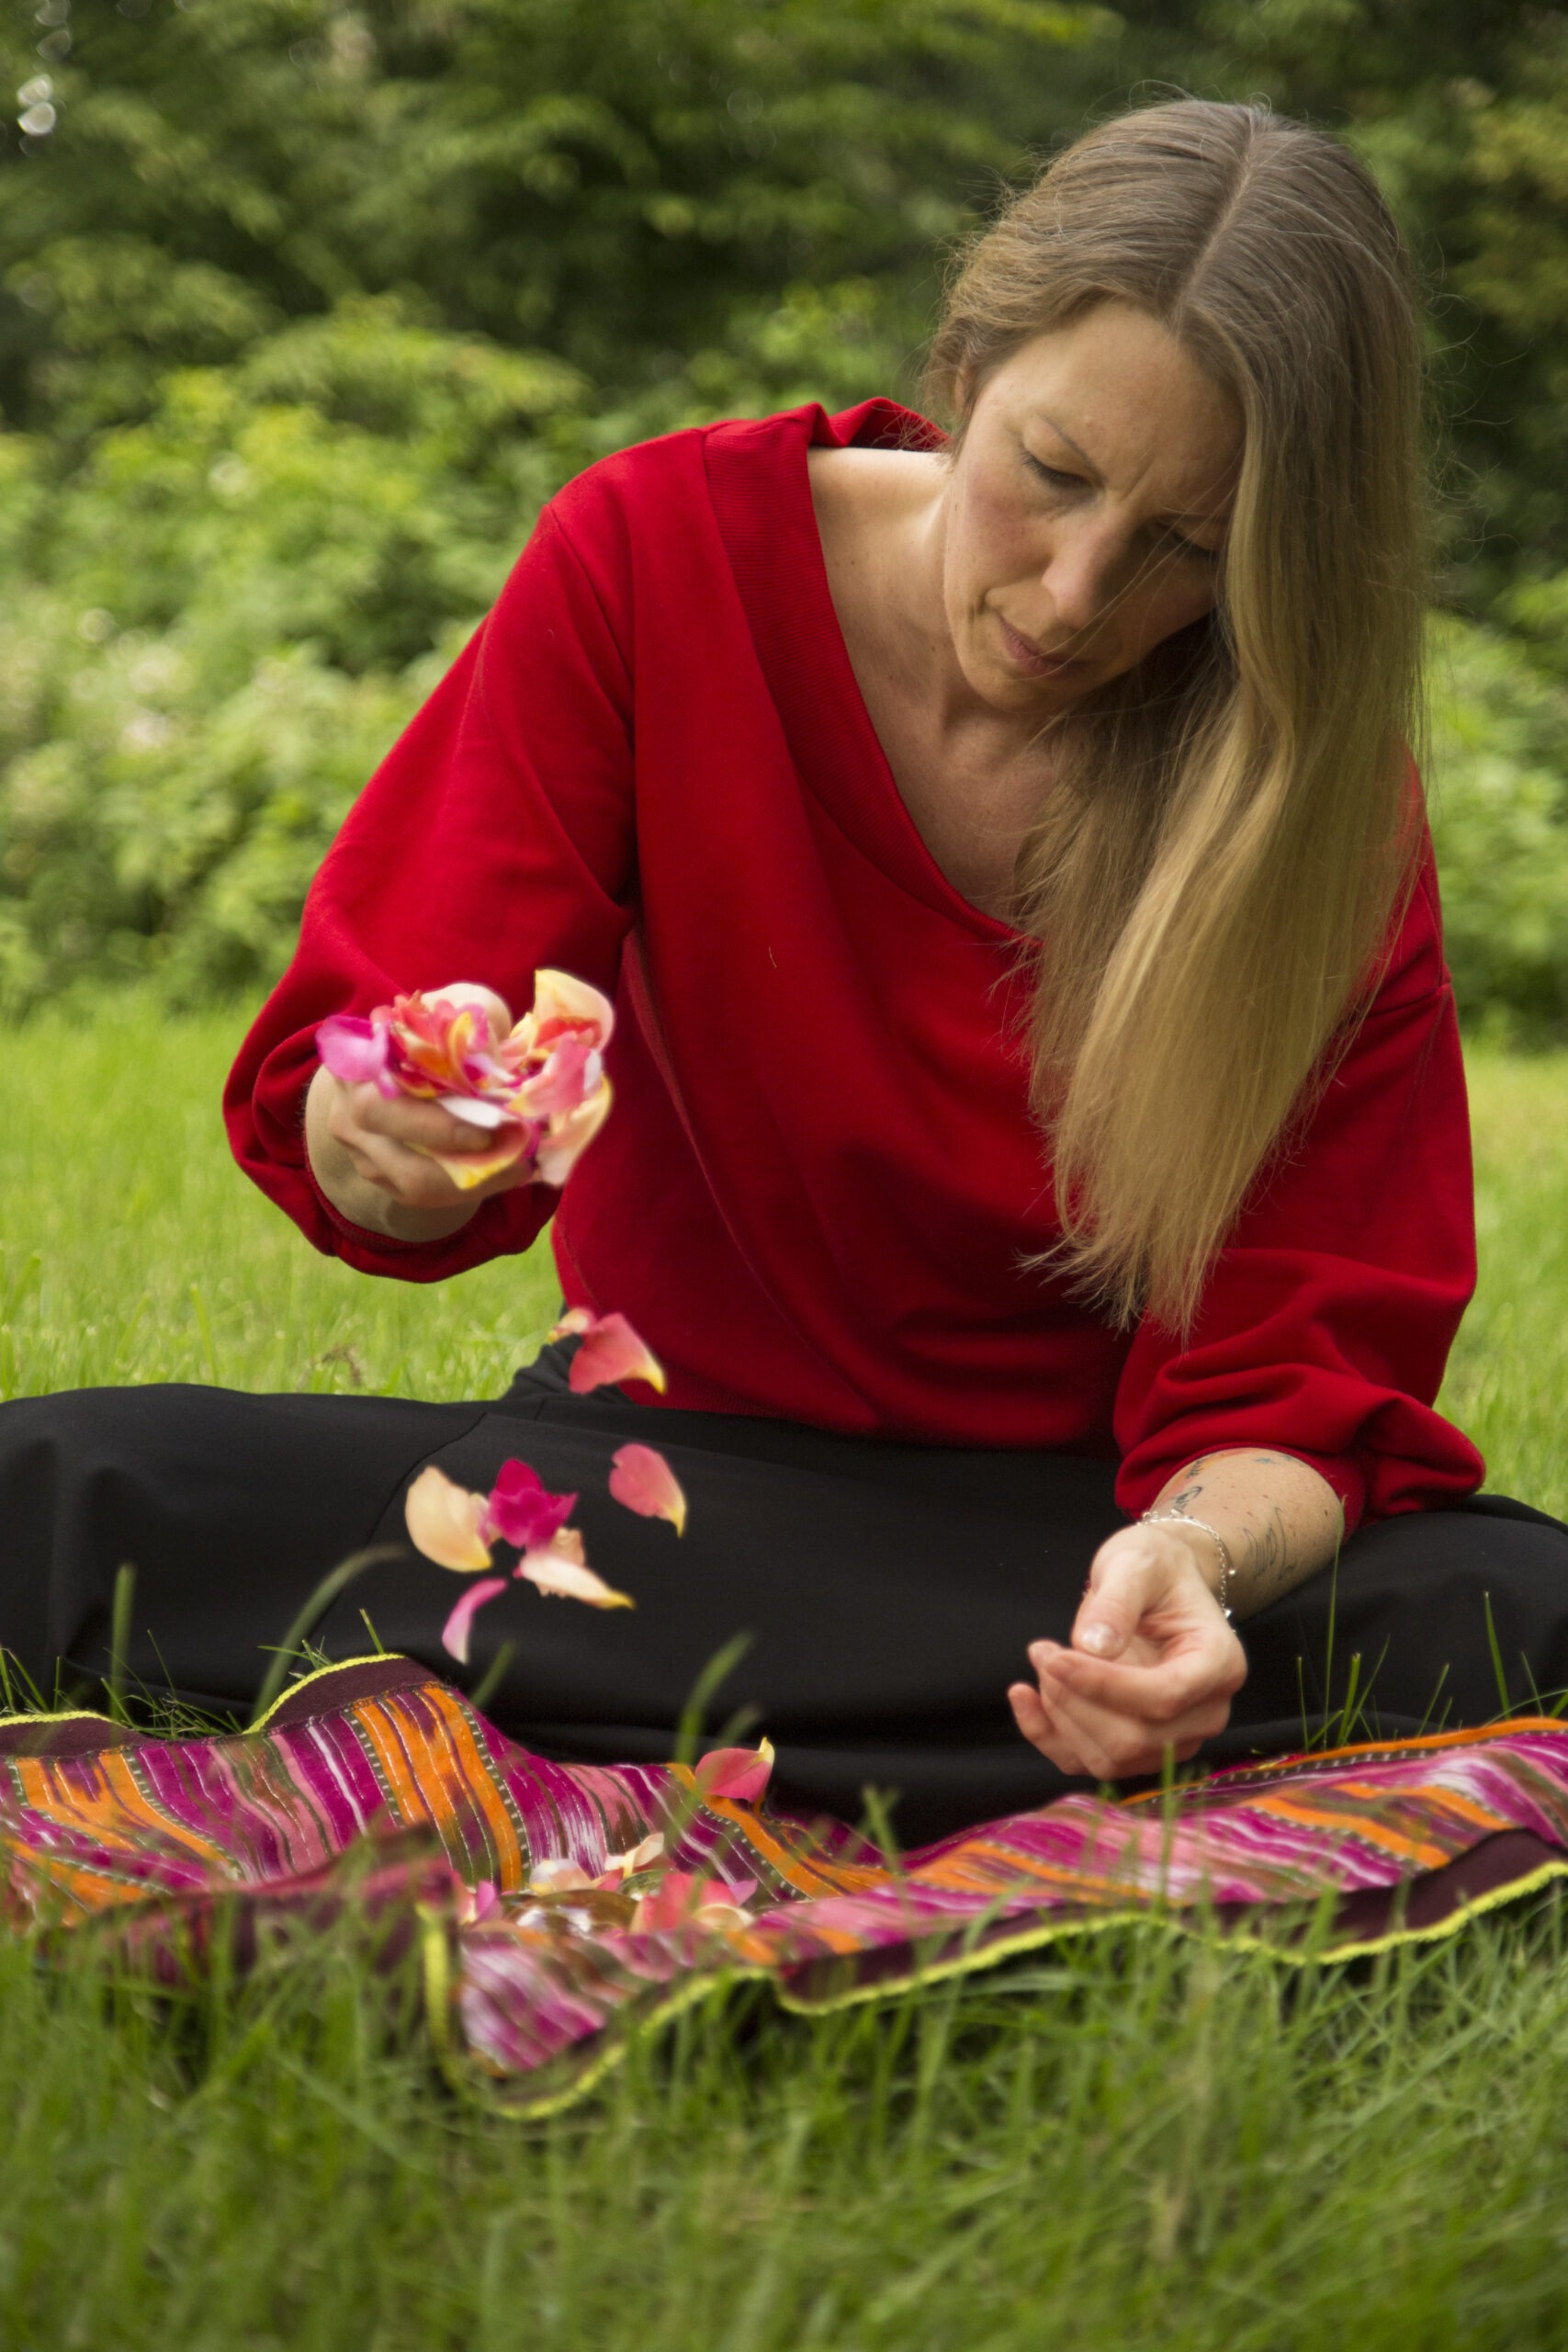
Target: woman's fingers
x,y
1152,1669
390,1143
1114,1747
1158,1693
1043,1730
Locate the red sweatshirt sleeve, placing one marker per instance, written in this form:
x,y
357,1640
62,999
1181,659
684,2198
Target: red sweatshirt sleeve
x,y
1328,1319
496,838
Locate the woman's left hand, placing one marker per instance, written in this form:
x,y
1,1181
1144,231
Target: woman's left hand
x,y
1154,1663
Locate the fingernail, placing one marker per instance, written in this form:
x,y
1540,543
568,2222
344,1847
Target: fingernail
x,y
1097,1637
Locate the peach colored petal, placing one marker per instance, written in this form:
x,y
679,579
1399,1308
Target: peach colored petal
x,y
643,1481
640,1857
444,1521
720,1914
611,1350
460,1624
738,1774
563,1001
473,996
560,1569
570,1135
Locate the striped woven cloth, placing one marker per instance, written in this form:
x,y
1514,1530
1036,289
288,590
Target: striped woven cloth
x,y
373,1792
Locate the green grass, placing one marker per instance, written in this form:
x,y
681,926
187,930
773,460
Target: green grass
x,y
1140,2143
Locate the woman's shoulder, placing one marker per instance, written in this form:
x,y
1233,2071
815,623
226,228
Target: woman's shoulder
x,y
758,459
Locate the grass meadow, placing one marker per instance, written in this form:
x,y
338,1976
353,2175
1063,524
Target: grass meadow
x,y
1138,2143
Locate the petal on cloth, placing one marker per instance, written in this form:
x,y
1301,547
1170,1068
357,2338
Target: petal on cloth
x,y
643,1481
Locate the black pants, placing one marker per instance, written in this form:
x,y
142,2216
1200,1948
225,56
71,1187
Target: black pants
x,y
889,1591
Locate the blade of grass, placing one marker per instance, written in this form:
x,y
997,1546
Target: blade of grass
x,y
336,1581
119,1640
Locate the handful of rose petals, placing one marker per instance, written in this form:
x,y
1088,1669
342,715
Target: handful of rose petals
x,y
541,1080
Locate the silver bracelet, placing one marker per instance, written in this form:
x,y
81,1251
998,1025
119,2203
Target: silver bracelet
x,y
1227,1566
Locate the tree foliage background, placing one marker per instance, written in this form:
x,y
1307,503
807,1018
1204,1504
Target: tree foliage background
x,y
304,308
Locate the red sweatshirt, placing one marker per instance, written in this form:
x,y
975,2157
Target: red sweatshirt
x,y
819,1186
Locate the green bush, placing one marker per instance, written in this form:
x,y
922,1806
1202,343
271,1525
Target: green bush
x,y
1499,777
304,308
228,608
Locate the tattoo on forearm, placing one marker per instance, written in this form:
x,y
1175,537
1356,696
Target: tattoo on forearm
x,y
1265,1556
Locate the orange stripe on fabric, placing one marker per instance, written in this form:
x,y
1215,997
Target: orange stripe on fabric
x,y
1430,1855
377,1725
113,1811
477,1780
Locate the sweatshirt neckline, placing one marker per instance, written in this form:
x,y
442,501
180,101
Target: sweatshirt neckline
x,y
781,571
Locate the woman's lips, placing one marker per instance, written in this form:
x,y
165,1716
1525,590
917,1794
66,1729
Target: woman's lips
x,y
1027,657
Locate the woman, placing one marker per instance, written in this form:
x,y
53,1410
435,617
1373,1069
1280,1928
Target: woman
x,y
1039,1100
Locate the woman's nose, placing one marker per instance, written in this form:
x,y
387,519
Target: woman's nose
x,y
1086,572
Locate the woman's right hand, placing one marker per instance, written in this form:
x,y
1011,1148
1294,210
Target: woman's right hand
x,y
368,1155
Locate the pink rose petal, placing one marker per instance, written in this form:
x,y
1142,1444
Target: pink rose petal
x,y
643,1481
611,1350
446,1521
455,1632
523,1512
356,1050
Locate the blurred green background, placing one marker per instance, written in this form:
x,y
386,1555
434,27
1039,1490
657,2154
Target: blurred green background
x,y
305,308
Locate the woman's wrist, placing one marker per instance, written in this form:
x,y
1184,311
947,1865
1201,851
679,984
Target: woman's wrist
x,y
1216,1564
1273,1516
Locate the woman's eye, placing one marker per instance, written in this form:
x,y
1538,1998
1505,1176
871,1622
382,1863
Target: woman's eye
x,y
1052,474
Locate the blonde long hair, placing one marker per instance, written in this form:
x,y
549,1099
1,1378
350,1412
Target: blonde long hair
x,y
1230,827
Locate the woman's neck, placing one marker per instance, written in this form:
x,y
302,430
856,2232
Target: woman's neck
x,y
972,777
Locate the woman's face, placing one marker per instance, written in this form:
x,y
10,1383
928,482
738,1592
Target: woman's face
x,y
1086,508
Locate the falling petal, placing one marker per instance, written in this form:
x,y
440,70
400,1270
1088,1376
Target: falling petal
x,y
455,1632
560,1570
522,1510
354,1050
739,1773
446,1521
641,1480
611,1350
